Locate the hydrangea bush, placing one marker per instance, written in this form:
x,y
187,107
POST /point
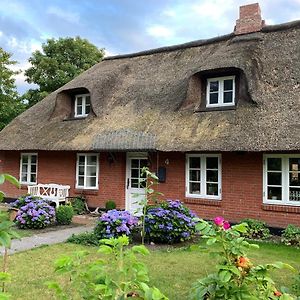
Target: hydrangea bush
x,y
115,223
35,214
23,200
169,222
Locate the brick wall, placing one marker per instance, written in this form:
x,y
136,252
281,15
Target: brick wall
x,y
241,183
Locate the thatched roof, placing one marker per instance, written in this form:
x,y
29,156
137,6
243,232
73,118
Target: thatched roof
x,y
148,101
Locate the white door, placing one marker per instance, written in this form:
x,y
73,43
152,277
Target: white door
x,y
135,186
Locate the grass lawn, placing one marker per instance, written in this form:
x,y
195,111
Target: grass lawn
x,y
171,270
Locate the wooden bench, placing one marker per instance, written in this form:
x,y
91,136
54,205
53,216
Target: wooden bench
x,y
50,192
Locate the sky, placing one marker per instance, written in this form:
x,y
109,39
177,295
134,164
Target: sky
x,y
123,26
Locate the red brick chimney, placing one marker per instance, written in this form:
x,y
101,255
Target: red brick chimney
x,y
250,19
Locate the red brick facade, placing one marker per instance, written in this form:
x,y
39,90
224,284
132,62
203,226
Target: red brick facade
x,y
242,183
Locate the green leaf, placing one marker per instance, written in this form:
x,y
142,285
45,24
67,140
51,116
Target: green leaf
x,y
140,249
242,227
2,178
211,241
12,180
224,276
5,277
5,239
104,249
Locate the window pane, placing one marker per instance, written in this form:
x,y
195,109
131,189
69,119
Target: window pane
x,y
274,164
24,177
212,189
194,188
134,163
33,168
274,178
91,171
81,181
212,162
92,160
294,194
79,110
79,101
25,159
142,183
87,100
214,86
32,178
195,162
294,164
294,178
81,159
91,182
24,168
33,159
213,98
135,173
87,109
195,175
228,85
143,163
134,183
274,193
81,170
212,176
228,97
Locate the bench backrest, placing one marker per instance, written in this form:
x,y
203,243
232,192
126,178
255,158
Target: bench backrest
x,y
49,191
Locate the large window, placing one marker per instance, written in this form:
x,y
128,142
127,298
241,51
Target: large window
x,y
28,168
203,176
220,91
87,171
282,179
82,105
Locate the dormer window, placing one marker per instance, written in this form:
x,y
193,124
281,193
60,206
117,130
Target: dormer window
x,y
82,105
220,91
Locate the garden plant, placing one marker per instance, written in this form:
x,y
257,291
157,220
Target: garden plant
x,y
256,229
64,214
236,277
291,235
170,222
117,274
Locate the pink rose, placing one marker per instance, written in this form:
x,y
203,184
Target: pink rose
x,y
226,225
219,221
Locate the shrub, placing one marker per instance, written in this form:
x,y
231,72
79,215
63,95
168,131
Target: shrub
x,y
256,229
291,235
35,214
23,200
169,222
86,238
236,277
115,223
64,214
110,204
116,274
78,205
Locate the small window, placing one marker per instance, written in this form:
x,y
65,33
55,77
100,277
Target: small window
x,y
203,176
87,171
82,105
220,91
28,168
282,179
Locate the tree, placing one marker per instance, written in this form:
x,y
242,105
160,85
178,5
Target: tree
x,y
59,62
10,103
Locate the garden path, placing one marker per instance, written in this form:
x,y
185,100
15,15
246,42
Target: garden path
x,y
47,238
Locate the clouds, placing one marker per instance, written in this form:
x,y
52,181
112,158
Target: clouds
x,y
123,26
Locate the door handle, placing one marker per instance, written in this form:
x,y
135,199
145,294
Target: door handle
x,y
127,183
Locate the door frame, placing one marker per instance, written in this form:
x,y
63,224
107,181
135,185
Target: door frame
x,y
129,156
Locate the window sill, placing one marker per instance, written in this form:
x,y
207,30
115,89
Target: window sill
x,y
201,201
86,191
281,208
216,108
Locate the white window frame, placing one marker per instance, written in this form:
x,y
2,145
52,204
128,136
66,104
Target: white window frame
x,y
77,186
83,114
28,182
203,194
220,91
285,180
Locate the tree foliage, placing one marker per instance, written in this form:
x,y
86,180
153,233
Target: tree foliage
x,y
10,104
59,62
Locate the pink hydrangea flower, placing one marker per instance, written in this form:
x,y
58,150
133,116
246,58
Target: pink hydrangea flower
x,y
219,221
226,225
